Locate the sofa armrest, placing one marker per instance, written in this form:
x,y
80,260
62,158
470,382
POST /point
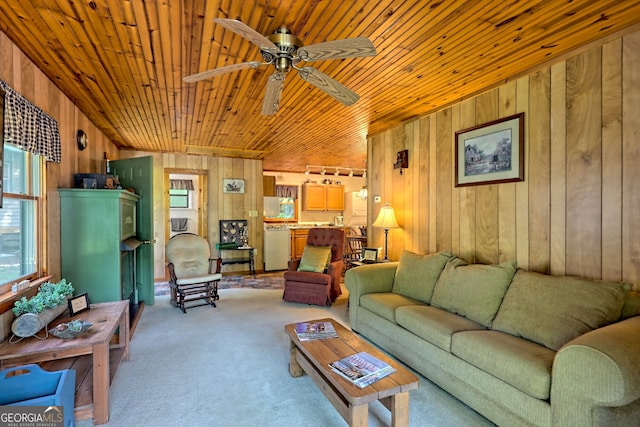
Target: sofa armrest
x,y
370,278
334,269
367,279
601,366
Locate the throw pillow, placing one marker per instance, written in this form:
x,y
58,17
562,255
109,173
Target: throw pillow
x,y
315,258
474,291
416,275
553,310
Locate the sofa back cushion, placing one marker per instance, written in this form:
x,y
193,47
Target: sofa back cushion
x,y
553,310
474,291
416,274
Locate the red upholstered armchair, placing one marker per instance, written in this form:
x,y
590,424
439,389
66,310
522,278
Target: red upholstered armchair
x,y
317,288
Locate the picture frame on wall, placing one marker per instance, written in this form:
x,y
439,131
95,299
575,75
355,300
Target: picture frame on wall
x,y
232,185
491,153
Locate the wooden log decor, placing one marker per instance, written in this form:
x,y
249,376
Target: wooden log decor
x,y
30,324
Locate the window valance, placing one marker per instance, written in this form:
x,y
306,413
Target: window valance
x,y
28,127
181,184
287,191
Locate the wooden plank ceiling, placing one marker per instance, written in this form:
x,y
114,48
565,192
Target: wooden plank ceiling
x,y
123,61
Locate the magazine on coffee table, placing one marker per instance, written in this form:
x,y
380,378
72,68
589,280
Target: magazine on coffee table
x,y
362,369
308,331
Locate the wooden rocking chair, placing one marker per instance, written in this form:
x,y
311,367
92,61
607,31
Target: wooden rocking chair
x,y
191,273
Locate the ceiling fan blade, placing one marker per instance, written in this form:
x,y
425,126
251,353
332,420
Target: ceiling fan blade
x,y
271,102
248,33
222,70
329,85
346,48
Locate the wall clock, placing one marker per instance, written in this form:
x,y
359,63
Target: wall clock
x,y
81,139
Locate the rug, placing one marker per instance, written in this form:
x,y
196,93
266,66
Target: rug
x,y
261,281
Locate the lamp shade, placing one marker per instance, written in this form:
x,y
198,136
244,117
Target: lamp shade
x,y
386,218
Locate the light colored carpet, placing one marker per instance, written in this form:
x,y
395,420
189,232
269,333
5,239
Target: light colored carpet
x,y
228,366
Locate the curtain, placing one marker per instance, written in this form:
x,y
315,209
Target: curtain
x,y
287,191
180,184
29,128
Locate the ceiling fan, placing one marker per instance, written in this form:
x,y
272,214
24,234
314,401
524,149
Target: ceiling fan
x,y
285,51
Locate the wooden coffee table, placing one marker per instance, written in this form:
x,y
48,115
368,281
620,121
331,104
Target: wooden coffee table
x,y
313,358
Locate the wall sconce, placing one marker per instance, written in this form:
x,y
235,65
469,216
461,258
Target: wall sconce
x,y
402,160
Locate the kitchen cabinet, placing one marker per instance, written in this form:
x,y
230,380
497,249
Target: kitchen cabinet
x,y
269,186
298,241
97,232
322,197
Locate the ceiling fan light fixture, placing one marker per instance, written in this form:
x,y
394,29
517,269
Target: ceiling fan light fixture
x,y
284,51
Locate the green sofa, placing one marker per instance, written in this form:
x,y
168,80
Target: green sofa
x,y
521,348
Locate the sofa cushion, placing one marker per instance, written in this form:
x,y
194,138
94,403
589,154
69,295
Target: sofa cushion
x,y
384,304
519,362
631,306
417,274
553,310
315,258
433,324
474,291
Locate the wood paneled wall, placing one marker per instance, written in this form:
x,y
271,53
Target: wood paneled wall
x,y
23,76
218,205
577,211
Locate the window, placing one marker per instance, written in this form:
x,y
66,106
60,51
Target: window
x,y
19,215
178,198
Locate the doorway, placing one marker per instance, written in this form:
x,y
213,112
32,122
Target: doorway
x,y
185,202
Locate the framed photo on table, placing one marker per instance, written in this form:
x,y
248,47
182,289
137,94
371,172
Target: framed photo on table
x,y
491,153
78,304
369,255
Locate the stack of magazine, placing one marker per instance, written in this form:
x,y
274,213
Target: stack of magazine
x,y
362,369
308,331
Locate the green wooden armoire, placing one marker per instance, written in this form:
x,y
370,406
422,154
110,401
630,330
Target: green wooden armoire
x,y
94,226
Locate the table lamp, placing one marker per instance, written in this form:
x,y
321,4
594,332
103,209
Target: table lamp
x,y
387,220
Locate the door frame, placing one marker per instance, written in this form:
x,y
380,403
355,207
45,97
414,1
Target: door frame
x,y
203,207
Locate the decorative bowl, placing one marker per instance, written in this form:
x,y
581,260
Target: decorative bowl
x,y
71,329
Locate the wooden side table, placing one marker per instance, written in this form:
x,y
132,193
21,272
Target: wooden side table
x,y
107,318
246,260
